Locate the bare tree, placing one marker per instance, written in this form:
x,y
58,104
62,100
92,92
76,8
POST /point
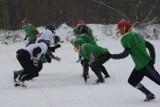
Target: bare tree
x,y
114,9
137,10
42,12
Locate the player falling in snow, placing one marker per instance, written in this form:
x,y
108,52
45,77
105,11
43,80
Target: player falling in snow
x,y
49,35
43,56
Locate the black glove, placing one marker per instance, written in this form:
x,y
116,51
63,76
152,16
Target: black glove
x,y
57,58
57,46
51,49
25,37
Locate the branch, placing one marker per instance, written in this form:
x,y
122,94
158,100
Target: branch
x,y
101,3
140,1
137,9
150,12
142,25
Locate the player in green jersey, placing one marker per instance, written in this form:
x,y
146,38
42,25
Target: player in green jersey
x,y
77,32
30,30
94,55
87,38
135,45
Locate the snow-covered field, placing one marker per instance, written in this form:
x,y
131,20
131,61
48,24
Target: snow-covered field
x,y
60,83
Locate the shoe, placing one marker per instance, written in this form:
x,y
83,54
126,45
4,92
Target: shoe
x,y
86,77
106,76
78,60
149,97
15,76
100,80
20,83
16,85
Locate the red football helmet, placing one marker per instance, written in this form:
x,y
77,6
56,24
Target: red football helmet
x,y
123,26
80,22
25,21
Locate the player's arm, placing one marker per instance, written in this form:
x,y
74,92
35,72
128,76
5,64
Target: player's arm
x,y
122,55
52,49
151,50
36,31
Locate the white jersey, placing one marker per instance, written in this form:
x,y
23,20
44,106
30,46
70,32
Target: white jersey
x,y
41,45
48,36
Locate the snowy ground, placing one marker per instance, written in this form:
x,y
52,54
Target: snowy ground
x,y
60,83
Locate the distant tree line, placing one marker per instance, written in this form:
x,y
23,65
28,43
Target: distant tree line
x,y
42,12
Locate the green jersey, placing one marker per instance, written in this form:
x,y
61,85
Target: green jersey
x,y
87,39
91,52
136,43
29,29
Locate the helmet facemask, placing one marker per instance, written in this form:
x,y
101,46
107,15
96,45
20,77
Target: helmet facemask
x,y
77,44
120,32
77,47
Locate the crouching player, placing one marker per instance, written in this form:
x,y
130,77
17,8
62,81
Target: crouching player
x,y
95,57
30,58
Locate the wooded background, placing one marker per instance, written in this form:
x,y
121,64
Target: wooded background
x,y
42,12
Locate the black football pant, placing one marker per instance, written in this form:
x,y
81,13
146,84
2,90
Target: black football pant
x,y
148,71
30,70
137,75
85,66
97,66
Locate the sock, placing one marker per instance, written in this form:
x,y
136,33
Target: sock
x,y
143,89
19,72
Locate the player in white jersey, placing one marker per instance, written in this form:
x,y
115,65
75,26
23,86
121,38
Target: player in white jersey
x,y
48,34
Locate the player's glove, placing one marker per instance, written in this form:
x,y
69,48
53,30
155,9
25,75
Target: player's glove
x,y
57,46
